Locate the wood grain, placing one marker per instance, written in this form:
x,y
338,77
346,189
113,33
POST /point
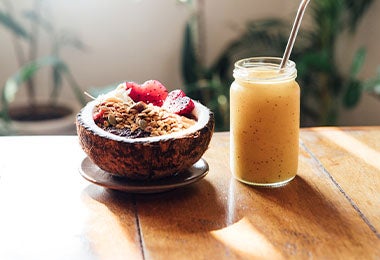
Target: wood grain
x,y
351,159
329,211
48,211
222,218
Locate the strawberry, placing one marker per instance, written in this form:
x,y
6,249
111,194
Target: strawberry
x,y
177,102
134,89
152,91
133,86
98,116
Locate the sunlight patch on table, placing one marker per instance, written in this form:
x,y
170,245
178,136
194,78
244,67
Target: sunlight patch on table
x,y
108,238
243,237
354,146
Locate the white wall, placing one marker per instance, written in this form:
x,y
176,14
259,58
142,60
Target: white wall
x,y
140,40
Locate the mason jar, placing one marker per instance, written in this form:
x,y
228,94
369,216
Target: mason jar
x,y
264,122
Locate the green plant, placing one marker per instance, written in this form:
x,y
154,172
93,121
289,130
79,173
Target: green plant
x,y
30,63
209,85
325,88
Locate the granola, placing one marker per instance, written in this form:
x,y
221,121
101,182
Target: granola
x,y
148,120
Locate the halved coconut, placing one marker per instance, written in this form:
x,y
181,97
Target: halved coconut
x,y
145,158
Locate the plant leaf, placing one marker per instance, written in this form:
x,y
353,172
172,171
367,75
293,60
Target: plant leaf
x,y
189,57
356,10
263,36
10,90
353,94
223,69
17,29
357,62
57,81
73,84
318,60
24,73
38,19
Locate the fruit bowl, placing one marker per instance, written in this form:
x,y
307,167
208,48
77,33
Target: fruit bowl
x,y
145,158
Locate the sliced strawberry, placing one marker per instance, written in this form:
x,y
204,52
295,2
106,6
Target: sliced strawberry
x,y
176,102
134,90
98,116
152,91
155,93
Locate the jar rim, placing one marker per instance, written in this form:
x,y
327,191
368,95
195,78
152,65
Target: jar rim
x,y
243,66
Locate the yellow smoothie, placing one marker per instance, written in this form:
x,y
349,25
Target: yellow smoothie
x,y
264,113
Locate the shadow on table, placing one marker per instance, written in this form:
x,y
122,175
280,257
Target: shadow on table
x,y
306,213
200,207
299,212
194,208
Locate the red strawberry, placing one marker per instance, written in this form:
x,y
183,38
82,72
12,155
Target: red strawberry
x,y
133,86
134,90
98,116
176,102
152,91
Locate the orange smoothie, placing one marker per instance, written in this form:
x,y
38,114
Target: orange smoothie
x,y
264,111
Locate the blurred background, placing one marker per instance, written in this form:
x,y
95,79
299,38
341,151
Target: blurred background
x,y
51,51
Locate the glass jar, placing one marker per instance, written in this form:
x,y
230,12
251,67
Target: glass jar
x,y
264,124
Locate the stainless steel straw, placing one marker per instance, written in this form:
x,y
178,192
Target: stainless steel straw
x,y
293,33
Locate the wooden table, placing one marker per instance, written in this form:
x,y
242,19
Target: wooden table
x,y
331,210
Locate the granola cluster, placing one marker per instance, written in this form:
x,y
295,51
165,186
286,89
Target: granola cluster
x,y
138,119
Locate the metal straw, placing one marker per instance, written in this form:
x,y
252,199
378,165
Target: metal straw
x,y
293,33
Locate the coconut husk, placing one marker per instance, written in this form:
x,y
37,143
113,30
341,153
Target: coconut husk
x,y
144,158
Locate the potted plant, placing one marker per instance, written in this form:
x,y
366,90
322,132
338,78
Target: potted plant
x,y
325,88
36,115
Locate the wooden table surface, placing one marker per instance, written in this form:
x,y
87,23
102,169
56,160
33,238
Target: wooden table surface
x,y
331,210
